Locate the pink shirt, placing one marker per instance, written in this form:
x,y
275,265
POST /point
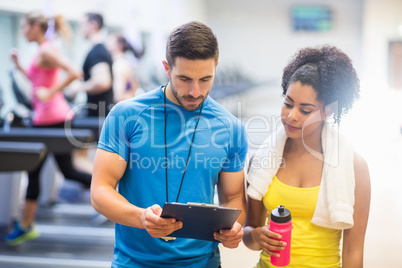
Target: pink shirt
x,y
56,110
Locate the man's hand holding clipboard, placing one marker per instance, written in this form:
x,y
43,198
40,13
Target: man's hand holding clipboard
x,y
157,226
205,222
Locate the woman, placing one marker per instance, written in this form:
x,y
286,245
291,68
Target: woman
x,y
125,80
50,110
325,184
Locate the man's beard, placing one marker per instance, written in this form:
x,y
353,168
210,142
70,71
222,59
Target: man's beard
x,y
192,108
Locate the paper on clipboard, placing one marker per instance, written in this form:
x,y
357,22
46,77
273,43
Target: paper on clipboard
x,y
200,220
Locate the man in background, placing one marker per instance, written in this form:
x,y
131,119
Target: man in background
x,y
97,68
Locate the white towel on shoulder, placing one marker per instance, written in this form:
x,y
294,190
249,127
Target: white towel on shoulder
x,y
336,195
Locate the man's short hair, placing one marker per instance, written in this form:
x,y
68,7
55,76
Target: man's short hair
x,y
95,17
193,40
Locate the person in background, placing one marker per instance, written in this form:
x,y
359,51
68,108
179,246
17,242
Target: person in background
x,y
51,110
195,145
97,68
125,80
318,176
98,80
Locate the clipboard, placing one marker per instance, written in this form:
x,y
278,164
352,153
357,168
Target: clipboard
x,y
200,220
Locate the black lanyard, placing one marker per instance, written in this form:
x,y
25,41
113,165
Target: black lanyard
x,y
189,150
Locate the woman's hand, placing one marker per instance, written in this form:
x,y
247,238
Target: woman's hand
x,y
43,94
14,56
268,240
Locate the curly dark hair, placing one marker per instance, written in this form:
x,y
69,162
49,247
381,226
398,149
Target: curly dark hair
x,y
331,74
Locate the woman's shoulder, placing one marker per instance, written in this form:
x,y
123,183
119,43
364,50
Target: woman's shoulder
x,y
121,64
48,50
48,45
362,175
359,162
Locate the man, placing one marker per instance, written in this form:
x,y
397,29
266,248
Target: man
x,y
173,144
97,68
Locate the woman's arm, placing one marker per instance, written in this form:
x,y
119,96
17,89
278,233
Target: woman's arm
x,y
255,219
125,83
14,58
257,235
52,58
119,80
353,238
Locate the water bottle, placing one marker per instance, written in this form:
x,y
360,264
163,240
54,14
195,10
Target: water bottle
x,y
281,223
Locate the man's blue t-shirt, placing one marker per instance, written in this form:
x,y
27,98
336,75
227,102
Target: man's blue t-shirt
x,y
134,129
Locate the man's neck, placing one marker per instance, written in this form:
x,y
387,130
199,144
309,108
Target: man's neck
x,y
118,55
96,38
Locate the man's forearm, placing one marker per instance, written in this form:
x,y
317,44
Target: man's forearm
x,y
115,207
239,203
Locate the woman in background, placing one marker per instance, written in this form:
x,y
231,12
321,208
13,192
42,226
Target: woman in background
x,y
125,79
318,177
51,110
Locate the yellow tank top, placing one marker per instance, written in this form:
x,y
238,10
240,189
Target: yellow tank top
x,y
311,245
